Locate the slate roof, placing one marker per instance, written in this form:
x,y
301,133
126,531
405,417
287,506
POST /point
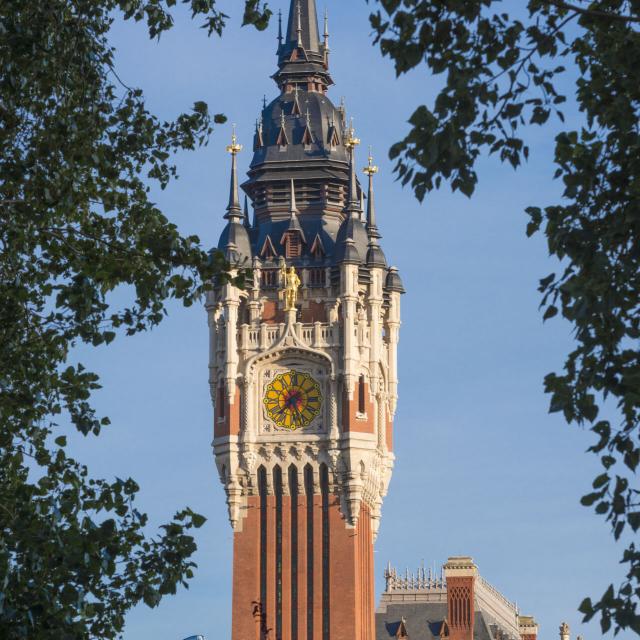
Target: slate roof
x,y
423,621
302,136
322,115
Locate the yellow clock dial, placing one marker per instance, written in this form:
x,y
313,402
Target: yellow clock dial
x,y
293,400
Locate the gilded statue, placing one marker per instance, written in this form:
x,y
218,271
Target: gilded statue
x,y
290,285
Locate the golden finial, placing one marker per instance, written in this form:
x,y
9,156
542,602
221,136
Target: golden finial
x,y
370,169
352,141
234,147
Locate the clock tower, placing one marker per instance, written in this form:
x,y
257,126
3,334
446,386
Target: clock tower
x,y
303,369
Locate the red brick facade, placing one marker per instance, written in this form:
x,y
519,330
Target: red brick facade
x,y
317,595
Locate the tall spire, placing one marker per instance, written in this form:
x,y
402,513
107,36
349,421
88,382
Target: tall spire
x,y
234,239
353,204
302,57
375,255
371,170
302,28
352,227
233,208
279,30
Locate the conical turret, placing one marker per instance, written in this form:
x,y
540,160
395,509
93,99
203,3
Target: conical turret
x,y
234,239
375,255
352,238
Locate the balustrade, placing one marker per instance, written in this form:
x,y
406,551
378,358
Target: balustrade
x,y
313,335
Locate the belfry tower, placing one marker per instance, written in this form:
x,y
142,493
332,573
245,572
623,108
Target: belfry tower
x,y
303,369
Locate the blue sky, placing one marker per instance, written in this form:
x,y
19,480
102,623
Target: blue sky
x,y
482,469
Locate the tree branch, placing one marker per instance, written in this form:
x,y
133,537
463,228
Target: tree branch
x,y
594,13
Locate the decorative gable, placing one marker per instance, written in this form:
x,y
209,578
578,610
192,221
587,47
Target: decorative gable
x,y
258,139
307,136
298,54
268,251
295,110
333,137
282,140
317,248
402,632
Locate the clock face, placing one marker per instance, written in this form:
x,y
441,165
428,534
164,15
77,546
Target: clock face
x,y
293,400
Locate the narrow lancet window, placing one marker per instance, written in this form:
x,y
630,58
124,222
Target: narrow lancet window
x,y
361,395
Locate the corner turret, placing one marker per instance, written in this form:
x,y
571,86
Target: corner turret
x,y
234,240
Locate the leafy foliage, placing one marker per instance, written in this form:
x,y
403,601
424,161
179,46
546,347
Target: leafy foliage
x,y
501,74
79,150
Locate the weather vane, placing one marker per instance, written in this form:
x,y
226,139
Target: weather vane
x,y
352,141
370,169
234,147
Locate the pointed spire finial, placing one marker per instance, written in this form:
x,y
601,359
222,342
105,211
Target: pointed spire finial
x,y
294,224
279,29
258,138
264,101
234,147
370,170
352,141
326,29
375,255
294,208
353,205
233,208
299,28
247,223
343,112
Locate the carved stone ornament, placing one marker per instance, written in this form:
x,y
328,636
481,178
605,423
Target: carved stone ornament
x,y
248,461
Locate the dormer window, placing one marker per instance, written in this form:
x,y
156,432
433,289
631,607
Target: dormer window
x,y
293,245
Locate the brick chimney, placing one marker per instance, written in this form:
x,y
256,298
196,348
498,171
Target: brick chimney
x,y
460,573
528,628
